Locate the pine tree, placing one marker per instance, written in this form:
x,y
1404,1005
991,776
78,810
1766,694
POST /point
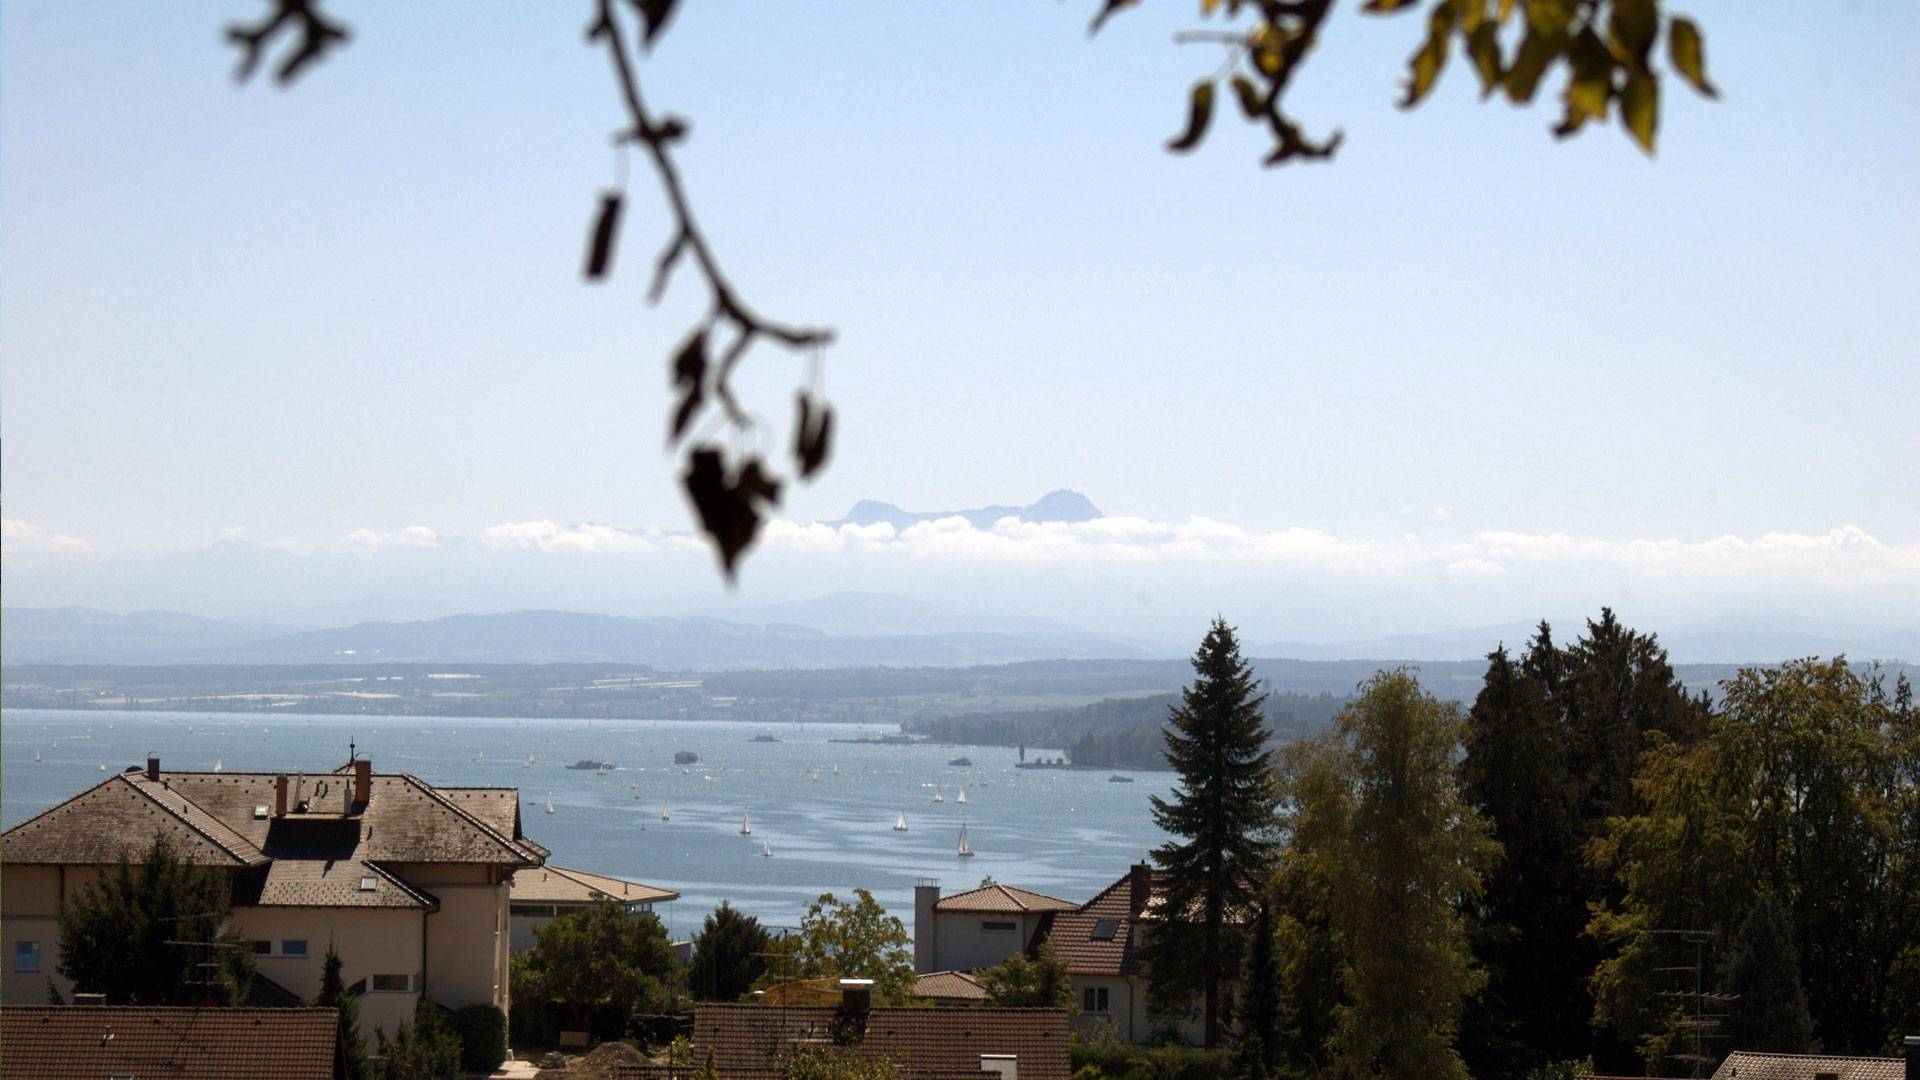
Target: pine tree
x,y
122,935
728,956
350,1050
1223,811
426,1049
1763,972
1258,1027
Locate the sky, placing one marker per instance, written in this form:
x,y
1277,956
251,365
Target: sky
x,y
1464,360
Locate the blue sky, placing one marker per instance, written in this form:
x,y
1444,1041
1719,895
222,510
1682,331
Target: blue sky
x,y
355,304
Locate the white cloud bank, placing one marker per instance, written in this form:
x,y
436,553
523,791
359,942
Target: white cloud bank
x,y
1845,556
17,535
367,541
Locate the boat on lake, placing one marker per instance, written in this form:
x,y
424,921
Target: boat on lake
x,y
961,761
549,806
937,797
663,813
746,828
765,737
589,764
766,850
686,757
1116,778
966,848
963,796
901,824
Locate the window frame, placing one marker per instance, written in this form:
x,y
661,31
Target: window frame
x,y
409,983
1096,1000
999,926
22,948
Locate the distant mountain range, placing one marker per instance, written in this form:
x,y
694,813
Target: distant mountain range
x,y
685,643
1062,505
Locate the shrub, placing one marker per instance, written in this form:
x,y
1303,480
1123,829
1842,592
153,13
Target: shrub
x,y
1124,1061
483,1037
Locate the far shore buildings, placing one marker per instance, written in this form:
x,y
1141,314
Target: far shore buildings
x,y
1101,941
407,881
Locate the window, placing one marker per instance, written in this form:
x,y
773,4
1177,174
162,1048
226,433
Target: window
x,y
538,911
1105,929
263,948
1093,999
999,927
26,956
366,884
293,947
395,984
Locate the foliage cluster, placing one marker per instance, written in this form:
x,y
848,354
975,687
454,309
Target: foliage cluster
x,y
482,1030
350,1046
594,971
729,955
1124,1061
1029,982
426,1049
857,940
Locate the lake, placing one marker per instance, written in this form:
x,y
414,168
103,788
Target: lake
x,y
1065,833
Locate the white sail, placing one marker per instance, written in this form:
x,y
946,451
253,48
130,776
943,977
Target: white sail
x,y
663,813
36,755
746,829
963,795
966,849
900,825
766,850
549,806
216,765
936,794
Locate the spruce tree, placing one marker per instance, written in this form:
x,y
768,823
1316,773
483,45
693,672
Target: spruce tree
x,y
1258,1028
350,1049
728,956
1762,971
1222,813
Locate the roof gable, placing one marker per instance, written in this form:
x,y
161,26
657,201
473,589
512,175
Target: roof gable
x,y
550,884
119,817
995,897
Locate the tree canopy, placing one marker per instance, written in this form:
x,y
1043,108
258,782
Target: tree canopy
x,y
729,956
594,970
139,934
1039,981
350,1046
856,940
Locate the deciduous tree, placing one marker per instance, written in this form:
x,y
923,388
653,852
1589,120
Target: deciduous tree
x,y
856,941
596,969
1039,981
1222,819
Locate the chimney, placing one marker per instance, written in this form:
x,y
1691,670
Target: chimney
x,y
1004,1066
362,781
1911,1044
280,796
89,999
856,1001
1139,887
926,927
153,767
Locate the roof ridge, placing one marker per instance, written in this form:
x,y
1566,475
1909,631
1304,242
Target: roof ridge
x,y
491,832
63,802
182,819
401,883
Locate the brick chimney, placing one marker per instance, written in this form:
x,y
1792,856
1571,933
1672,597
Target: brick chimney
x,y
1139,887
280,796
856,1001
153,767
362,781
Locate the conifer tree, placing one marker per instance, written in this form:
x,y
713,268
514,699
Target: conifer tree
x,y
1769,1010
728,956
350,1049
1222,811
1258,1027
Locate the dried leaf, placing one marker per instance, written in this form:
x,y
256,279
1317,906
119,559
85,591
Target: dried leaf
x,y
1199,115
728,507
1537,50
605,225
1589,83
1426,64
1483,46
654,15
1631,29
690,375
1688,52
1106,12
812,436
1249,96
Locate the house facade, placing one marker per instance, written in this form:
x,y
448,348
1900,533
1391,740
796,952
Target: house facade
x,y
544,893
409,883
1102,942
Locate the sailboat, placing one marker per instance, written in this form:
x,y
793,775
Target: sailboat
x,y
936,794
36,755
217,766
766,850
966,849
663,813
901,824
836,768
529,762
963,796
549,806
745,828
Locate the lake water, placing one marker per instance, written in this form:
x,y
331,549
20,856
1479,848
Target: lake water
x,y
1065,833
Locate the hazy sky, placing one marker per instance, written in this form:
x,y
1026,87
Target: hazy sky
x,y
355,304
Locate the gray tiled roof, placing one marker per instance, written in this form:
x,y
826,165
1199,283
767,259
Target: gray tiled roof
x,y
330,883
120,816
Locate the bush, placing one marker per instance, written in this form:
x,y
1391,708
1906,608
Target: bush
x,y
483,1037
1123,1061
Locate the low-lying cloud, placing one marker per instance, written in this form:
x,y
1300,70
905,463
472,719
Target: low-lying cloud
x,y
20,536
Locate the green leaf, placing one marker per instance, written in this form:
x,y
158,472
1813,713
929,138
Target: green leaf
x,y
1640,108
1688,52
1537,50
1426,63
1632,27
1199,115
1249,96
1590,84
1483,46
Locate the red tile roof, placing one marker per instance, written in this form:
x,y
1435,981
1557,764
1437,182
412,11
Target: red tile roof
x,y
951,986
1747,1065
552,884
754,1041
71,1042
1097,938
1002,898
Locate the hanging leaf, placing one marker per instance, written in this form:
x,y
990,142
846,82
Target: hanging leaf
x,y
1107,11
1426,64
1640,108
1198,116
729,508
1589,84
605,225
690,375
1537,50
1483,46
1631,29
1382,7
1688,52
812,435
654,14
1249,96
